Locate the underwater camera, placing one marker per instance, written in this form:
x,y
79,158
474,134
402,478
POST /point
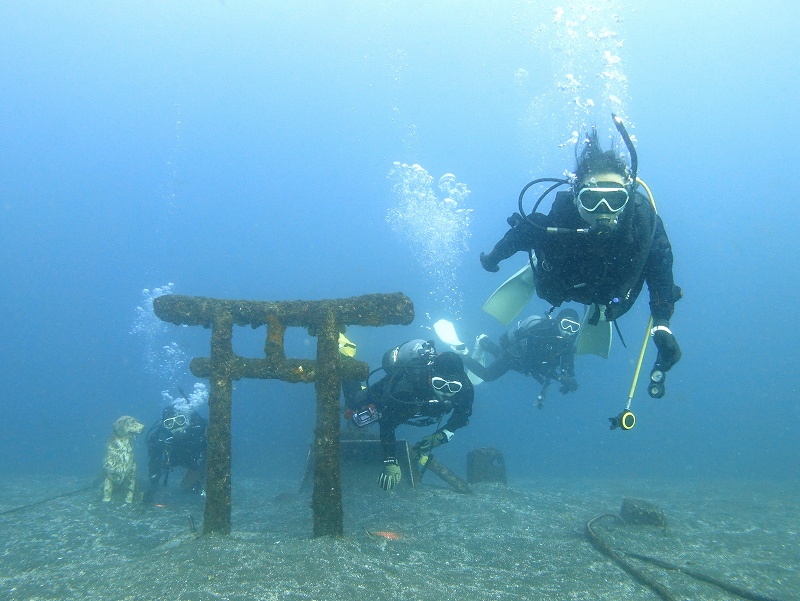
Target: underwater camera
x,y
366,416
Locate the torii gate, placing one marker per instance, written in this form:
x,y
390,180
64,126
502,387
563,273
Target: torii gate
x,y
324,319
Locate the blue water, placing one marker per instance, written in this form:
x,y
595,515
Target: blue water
x,y
247,150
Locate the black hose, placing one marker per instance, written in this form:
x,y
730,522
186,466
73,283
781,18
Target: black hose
x,y
618,559
619,333
734,589
631,149
528,216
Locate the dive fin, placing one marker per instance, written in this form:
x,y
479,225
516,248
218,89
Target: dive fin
x,y
595,339
511,297
447,333
480,356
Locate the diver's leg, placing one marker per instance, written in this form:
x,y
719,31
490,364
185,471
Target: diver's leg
x,y
491,372
487,345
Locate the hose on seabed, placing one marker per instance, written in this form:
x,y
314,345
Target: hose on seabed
x,y
657,587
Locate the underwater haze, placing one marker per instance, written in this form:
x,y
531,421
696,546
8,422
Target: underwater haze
x,y
320,150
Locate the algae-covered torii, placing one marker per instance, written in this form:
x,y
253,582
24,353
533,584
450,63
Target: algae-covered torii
x,y
323,319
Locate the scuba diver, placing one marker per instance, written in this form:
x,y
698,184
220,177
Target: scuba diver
x,y
540,347
178,439
420,387
601,241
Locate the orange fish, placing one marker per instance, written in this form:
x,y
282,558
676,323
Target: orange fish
x,y
385,534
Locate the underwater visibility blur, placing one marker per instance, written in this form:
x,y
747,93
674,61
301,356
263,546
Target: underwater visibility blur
x,y
241,152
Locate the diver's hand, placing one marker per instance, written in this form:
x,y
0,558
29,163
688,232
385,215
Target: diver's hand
x,y
488,263
515,220
568,384
669,353
391,474
439,437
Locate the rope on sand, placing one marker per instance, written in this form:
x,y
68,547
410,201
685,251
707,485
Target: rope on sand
x,y
47,500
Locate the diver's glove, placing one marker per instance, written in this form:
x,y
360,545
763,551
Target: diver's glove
x,y
489,264
669,353
434,440
391,474
515,219
568,384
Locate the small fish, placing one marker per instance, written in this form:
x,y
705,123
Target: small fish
x,y
385,534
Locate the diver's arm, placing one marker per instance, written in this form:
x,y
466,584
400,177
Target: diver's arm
x,y
462,408
375,394
387,394
568,363
388,438
658,275
663,296
522,236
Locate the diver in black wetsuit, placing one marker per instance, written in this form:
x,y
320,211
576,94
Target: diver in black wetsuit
x,y
599,244
540,347
420,388
178,439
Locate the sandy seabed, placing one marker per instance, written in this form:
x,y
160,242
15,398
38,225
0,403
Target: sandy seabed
x,y
526,540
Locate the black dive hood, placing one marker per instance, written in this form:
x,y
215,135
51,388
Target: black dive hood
x,y
558,182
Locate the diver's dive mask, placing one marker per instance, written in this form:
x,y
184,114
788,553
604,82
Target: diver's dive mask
x,y
176,423
445,387
603,198
569,327
601,203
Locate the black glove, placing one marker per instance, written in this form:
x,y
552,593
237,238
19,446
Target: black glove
x,y
515,220
488,263
568,384
669,353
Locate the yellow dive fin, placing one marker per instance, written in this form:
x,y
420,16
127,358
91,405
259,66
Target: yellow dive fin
x,y
595,340
511,297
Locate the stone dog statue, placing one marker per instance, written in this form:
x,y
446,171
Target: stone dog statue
x,y
119,465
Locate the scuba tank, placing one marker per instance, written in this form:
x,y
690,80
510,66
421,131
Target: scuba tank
x,y
414,353
411,356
